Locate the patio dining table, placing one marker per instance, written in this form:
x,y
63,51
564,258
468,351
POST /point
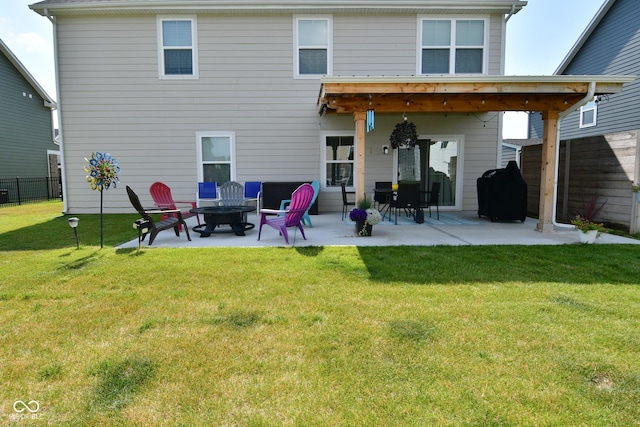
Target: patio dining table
x,y
389,195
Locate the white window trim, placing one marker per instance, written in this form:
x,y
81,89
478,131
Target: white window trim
x,y
323,150
232,149
591,106
194,47
452,46
296,50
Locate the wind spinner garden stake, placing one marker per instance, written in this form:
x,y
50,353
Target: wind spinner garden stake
x,y
103,173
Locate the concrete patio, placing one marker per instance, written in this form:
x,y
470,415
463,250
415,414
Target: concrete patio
x,y
454,228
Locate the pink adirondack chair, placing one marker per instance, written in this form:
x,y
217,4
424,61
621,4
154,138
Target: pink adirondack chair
x,y
300,201
163,199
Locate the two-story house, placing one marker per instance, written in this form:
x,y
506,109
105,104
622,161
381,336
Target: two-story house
x,y
27,143
256,90
599,148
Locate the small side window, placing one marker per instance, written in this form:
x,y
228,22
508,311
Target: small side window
x,y
339,159
589,114
216,156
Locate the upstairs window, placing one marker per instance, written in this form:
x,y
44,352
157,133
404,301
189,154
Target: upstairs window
x,y
589,114
313,47
452,46
178,53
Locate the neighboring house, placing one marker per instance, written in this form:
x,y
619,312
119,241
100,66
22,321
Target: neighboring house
x,y
600,150
511,150
255,90
26,128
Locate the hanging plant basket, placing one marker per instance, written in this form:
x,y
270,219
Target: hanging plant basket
x,y
404,135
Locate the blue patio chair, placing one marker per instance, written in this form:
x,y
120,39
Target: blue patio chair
x,y
306,219
253,192
208,191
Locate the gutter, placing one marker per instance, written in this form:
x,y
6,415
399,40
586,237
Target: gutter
x,y
267,6
63,167
513,12
588,98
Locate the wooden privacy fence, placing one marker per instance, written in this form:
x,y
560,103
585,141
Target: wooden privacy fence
x,y
599,167
18,191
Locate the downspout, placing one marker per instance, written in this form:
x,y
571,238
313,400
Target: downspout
x,y
588,98
513,11
63,167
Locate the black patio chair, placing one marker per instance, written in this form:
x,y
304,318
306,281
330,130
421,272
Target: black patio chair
x,y
382,193
345,201
433,198
157,226
407,199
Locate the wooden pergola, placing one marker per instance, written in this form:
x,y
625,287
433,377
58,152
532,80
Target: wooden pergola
x,y
553,96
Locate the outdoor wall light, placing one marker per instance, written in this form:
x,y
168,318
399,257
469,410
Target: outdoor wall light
x,y
73,223
385,149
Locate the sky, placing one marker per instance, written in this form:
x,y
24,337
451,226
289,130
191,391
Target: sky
x,y
30,38
538,39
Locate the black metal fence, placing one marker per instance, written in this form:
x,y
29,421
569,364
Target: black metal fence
x,y
18,191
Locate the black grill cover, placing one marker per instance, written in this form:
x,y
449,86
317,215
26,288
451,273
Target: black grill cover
x,y
502,194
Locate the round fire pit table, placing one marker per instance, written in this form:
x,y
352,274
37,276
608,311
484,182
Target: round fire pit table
x,y
234,216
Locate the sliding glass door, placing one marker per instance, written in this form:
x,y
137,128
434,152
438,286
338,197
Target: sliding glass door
x,y
431,161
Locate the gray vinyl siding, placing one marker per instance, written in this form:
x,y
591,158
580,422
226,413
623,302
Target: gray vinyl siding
x,y
112,100
25,126
150,125
496,50
612,48
387,45
508,154
374,45
536,126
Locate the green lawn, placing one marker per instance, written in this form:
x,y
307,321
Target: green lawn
x,y
320,336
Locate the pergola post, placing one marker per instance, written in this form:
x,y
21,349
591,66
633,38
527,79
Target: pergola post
x,y
548,170
360,117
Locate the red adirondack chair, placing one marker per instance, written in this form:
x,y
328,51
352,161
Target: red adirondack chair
x,y
163,199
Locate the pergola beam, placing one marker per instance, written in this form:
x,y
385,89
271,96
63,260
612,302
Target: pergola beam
x,y
478,84
453,103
